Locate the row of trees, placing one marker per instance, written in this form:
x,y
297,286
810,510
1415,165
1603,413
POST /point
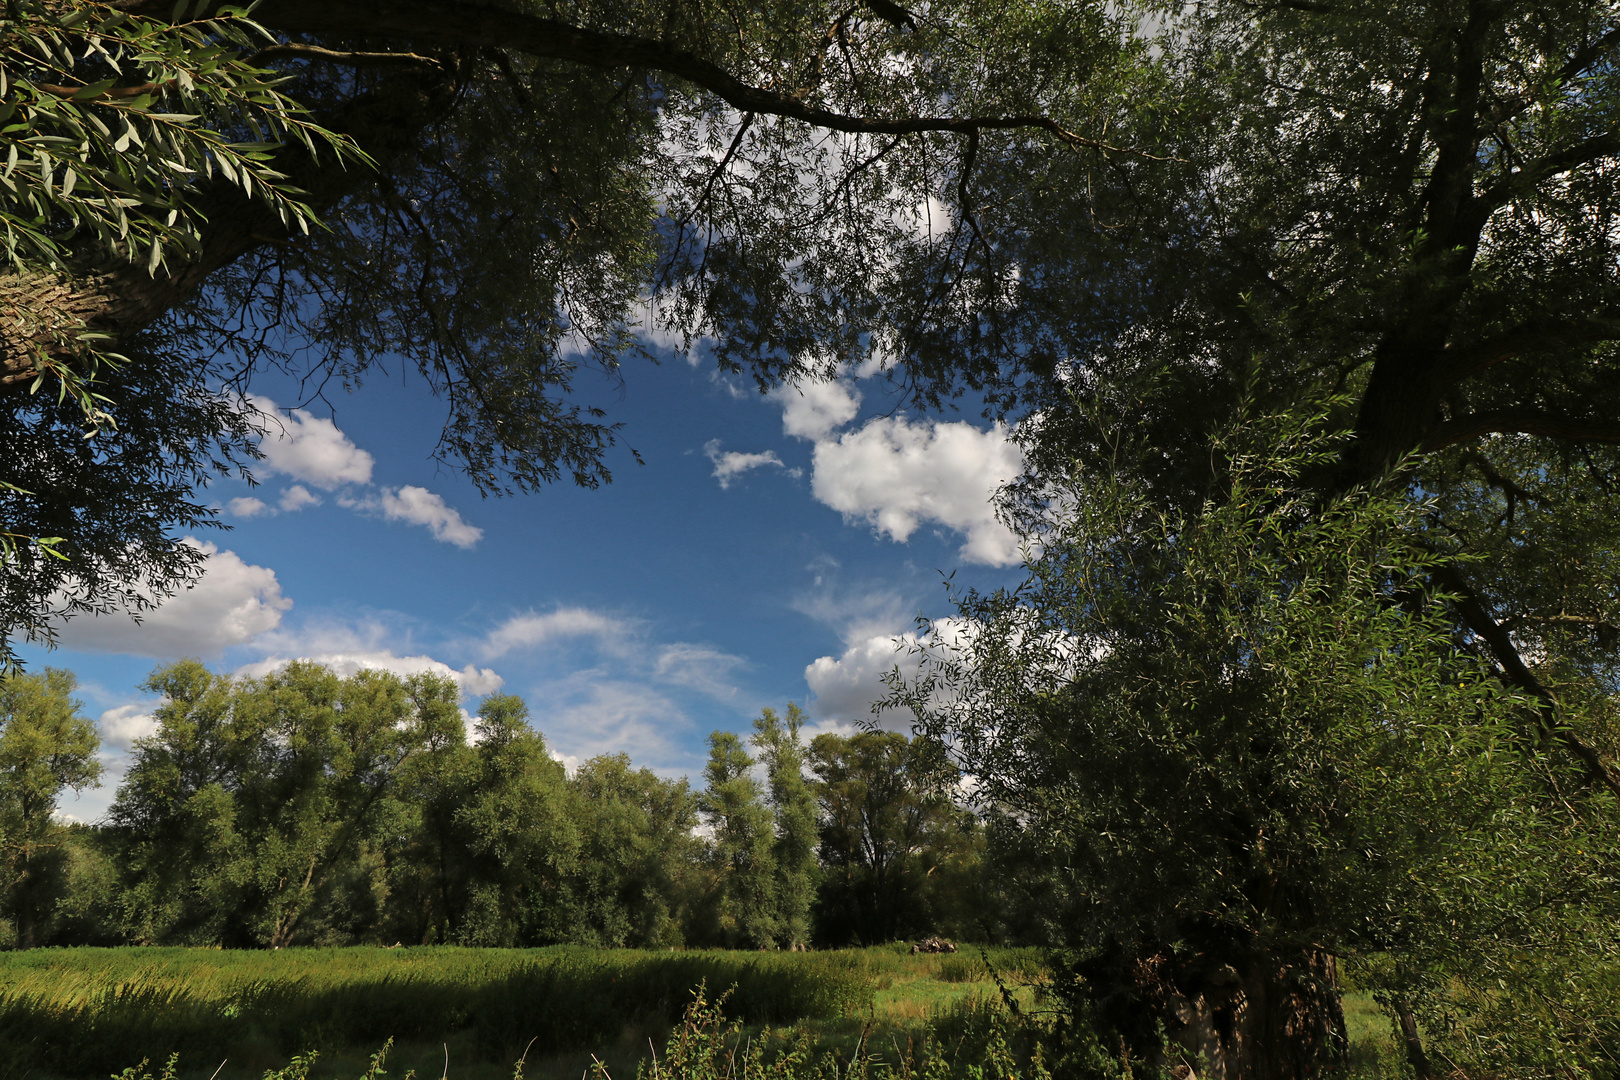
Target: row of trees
x,y
1204,713
304,808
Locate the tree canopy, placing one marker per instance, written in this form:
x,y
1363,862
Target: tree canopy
x,y
1021,200
1129,227
1243,750
507,192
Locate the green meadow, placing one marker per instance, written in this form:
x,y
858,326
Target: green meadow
x,y
93,1012
77,1014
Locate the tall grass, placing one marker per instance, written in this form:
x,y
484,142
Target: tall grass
x,y
85,1012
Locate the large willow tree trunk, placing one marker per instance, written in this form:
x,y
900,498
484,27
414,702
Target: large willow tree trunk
x,y
1200,1018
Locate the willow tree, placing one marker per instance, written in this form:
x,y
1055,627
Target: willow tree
x,y
1416,213
1411,214
494,195
1246,746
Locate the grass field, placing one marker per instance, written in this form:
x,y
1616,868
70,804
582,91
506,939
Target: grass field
x,y
470,1013
90,1012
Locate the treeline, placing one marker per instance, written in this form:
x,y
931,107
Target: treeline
x,y
302,808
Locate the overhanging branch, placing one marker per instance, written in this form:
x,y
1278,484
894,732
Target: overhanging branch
x,y
1519,422
1514,673
464,22
1530,177
299,51
1535,334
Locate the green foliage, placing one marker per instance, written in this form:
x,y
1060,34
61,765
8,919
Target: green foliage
x,y
898,852
429,865
243,816
743,847
109,121
1243,735
46,747
301,808
520,835
794,810
635,878
109,117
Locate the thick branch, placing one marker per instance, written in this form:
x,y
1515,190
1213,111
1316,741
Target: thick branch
x,y
1515,673
298,51
1530,177
1462,363
1598,625
1519,422
486,25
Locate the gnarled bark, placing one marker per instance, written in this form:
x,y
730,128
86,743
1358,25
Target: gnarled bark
x,y
1273,1018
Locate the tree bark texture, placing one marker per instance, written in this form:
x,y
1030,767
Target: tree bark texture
x,y
1275,1018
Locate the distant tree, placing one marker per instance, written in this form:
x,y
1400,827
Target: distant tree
x,y
250,816
794,812
742,847
429,862
888,825
633,882
520,837
86,897
46,747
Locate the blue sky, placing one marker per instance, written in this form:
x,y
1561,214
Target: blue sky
x,y
771,549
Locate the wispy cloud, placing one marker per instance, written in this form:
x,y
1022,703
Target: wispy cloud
x,y
534,629
350,647
730,464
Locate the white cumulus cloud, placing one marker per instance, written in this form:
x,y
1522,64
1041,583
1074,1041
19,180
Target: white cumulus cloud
x,y
896,475
846,686
813,409
530,630
313,450
297,497
309,448
122,725
232,603
731,464
419,506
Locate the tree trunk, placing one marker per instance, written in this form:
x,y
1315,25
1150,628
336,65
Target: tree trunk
x,y
1279,1018
25,905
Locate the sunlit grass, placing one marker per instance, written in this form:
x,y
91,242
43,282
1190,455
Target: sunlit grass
x,y
468,1014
